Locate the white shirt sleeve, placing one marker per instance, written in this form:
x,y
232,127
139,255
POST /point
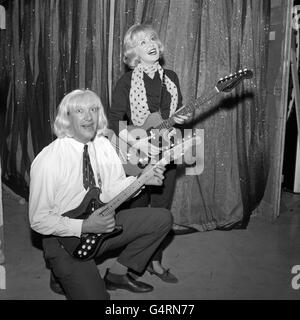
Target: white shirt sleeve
x,y
43,213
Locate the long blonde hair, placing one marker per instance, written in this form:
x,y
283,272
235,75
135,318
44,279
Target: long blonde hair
x,y
78,97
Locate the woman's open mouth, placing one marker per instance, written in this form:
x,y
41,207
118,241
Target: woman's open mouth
x,y
152,52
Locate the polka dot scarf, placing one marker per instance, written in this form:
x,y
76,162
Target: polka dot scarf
x,y
137,96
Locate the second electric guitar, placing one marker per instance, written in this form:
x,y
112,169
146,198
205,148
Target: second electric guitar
x,y
134,160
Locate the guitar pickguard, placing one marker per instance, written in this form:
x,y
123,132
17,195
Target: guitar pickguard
x,y
86,247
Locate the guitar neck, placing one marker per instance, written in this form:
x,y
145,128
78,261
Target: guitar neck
x,y
127,193
169,155
225,84
168,123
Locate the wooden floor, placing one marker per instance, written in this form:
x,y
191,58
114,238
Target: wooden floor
x,y
255,263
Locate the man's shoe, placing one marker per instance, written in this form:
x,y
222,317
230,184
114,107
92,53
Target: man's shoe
x,y
55,285
166,276
126,281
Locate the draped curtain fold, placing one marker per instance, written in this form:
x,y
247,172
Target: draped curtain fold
x,y
2,257
206,40
55,46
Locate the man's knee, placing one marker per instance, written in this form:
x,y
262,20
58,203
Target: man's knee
x,y
164,219
168,217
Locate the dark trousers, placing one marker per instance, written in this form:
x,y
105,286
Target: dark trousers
x,y
156,197
143,231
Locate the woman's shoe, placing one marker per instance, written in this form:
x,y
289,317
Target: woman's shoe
x,y
179,229
236,225
166,276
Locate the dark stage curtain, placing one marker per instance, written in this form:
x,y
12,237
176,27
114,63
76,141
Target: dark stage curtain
x,y
206,40
54,46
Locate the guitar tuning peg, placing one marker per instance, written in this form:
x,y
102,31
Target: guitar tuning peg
x,y
230,75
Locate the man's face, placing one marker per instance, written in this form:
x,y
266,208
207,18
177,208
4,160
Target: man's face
x,y
147,48
84,122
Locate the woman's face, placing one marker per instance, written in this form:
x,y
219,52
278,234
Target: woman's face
x,y
147,47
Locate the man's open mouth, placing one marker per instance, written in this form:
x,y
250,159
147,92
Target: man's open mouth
x,y
88,126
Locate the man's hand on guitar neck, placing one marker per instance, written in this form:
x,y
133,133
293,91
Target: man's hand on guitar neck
x,y
97,223
141,144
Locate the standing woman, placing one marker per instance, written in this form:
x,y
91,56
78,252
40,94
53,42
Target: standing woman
x,y
147,88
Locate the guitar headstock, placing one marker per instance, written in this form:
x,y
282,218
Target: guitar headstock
x,y
227,83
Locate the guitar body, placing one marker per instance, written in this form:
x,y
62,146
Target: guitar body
x,y
86,247
153,120
136,160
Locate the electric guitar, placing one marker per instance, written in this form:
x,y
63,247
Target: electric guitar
x,y
134,161
87,246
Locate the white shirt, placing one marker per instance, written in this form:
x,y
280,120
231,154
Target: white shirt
x,y
56,183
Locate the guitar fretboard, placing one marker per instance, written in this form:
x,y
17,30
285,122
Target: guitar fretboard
x,y
126,193
168,123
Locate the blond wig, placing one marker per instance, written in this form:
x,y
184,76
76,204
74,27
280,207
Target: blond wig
x,y
78,97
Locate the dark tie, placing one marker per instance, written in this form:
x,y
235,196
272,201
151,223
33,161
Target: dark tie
x,y
88,174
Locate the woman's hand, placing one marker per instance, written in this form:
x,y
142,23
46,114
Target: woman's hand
x,y
180,119
158,177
